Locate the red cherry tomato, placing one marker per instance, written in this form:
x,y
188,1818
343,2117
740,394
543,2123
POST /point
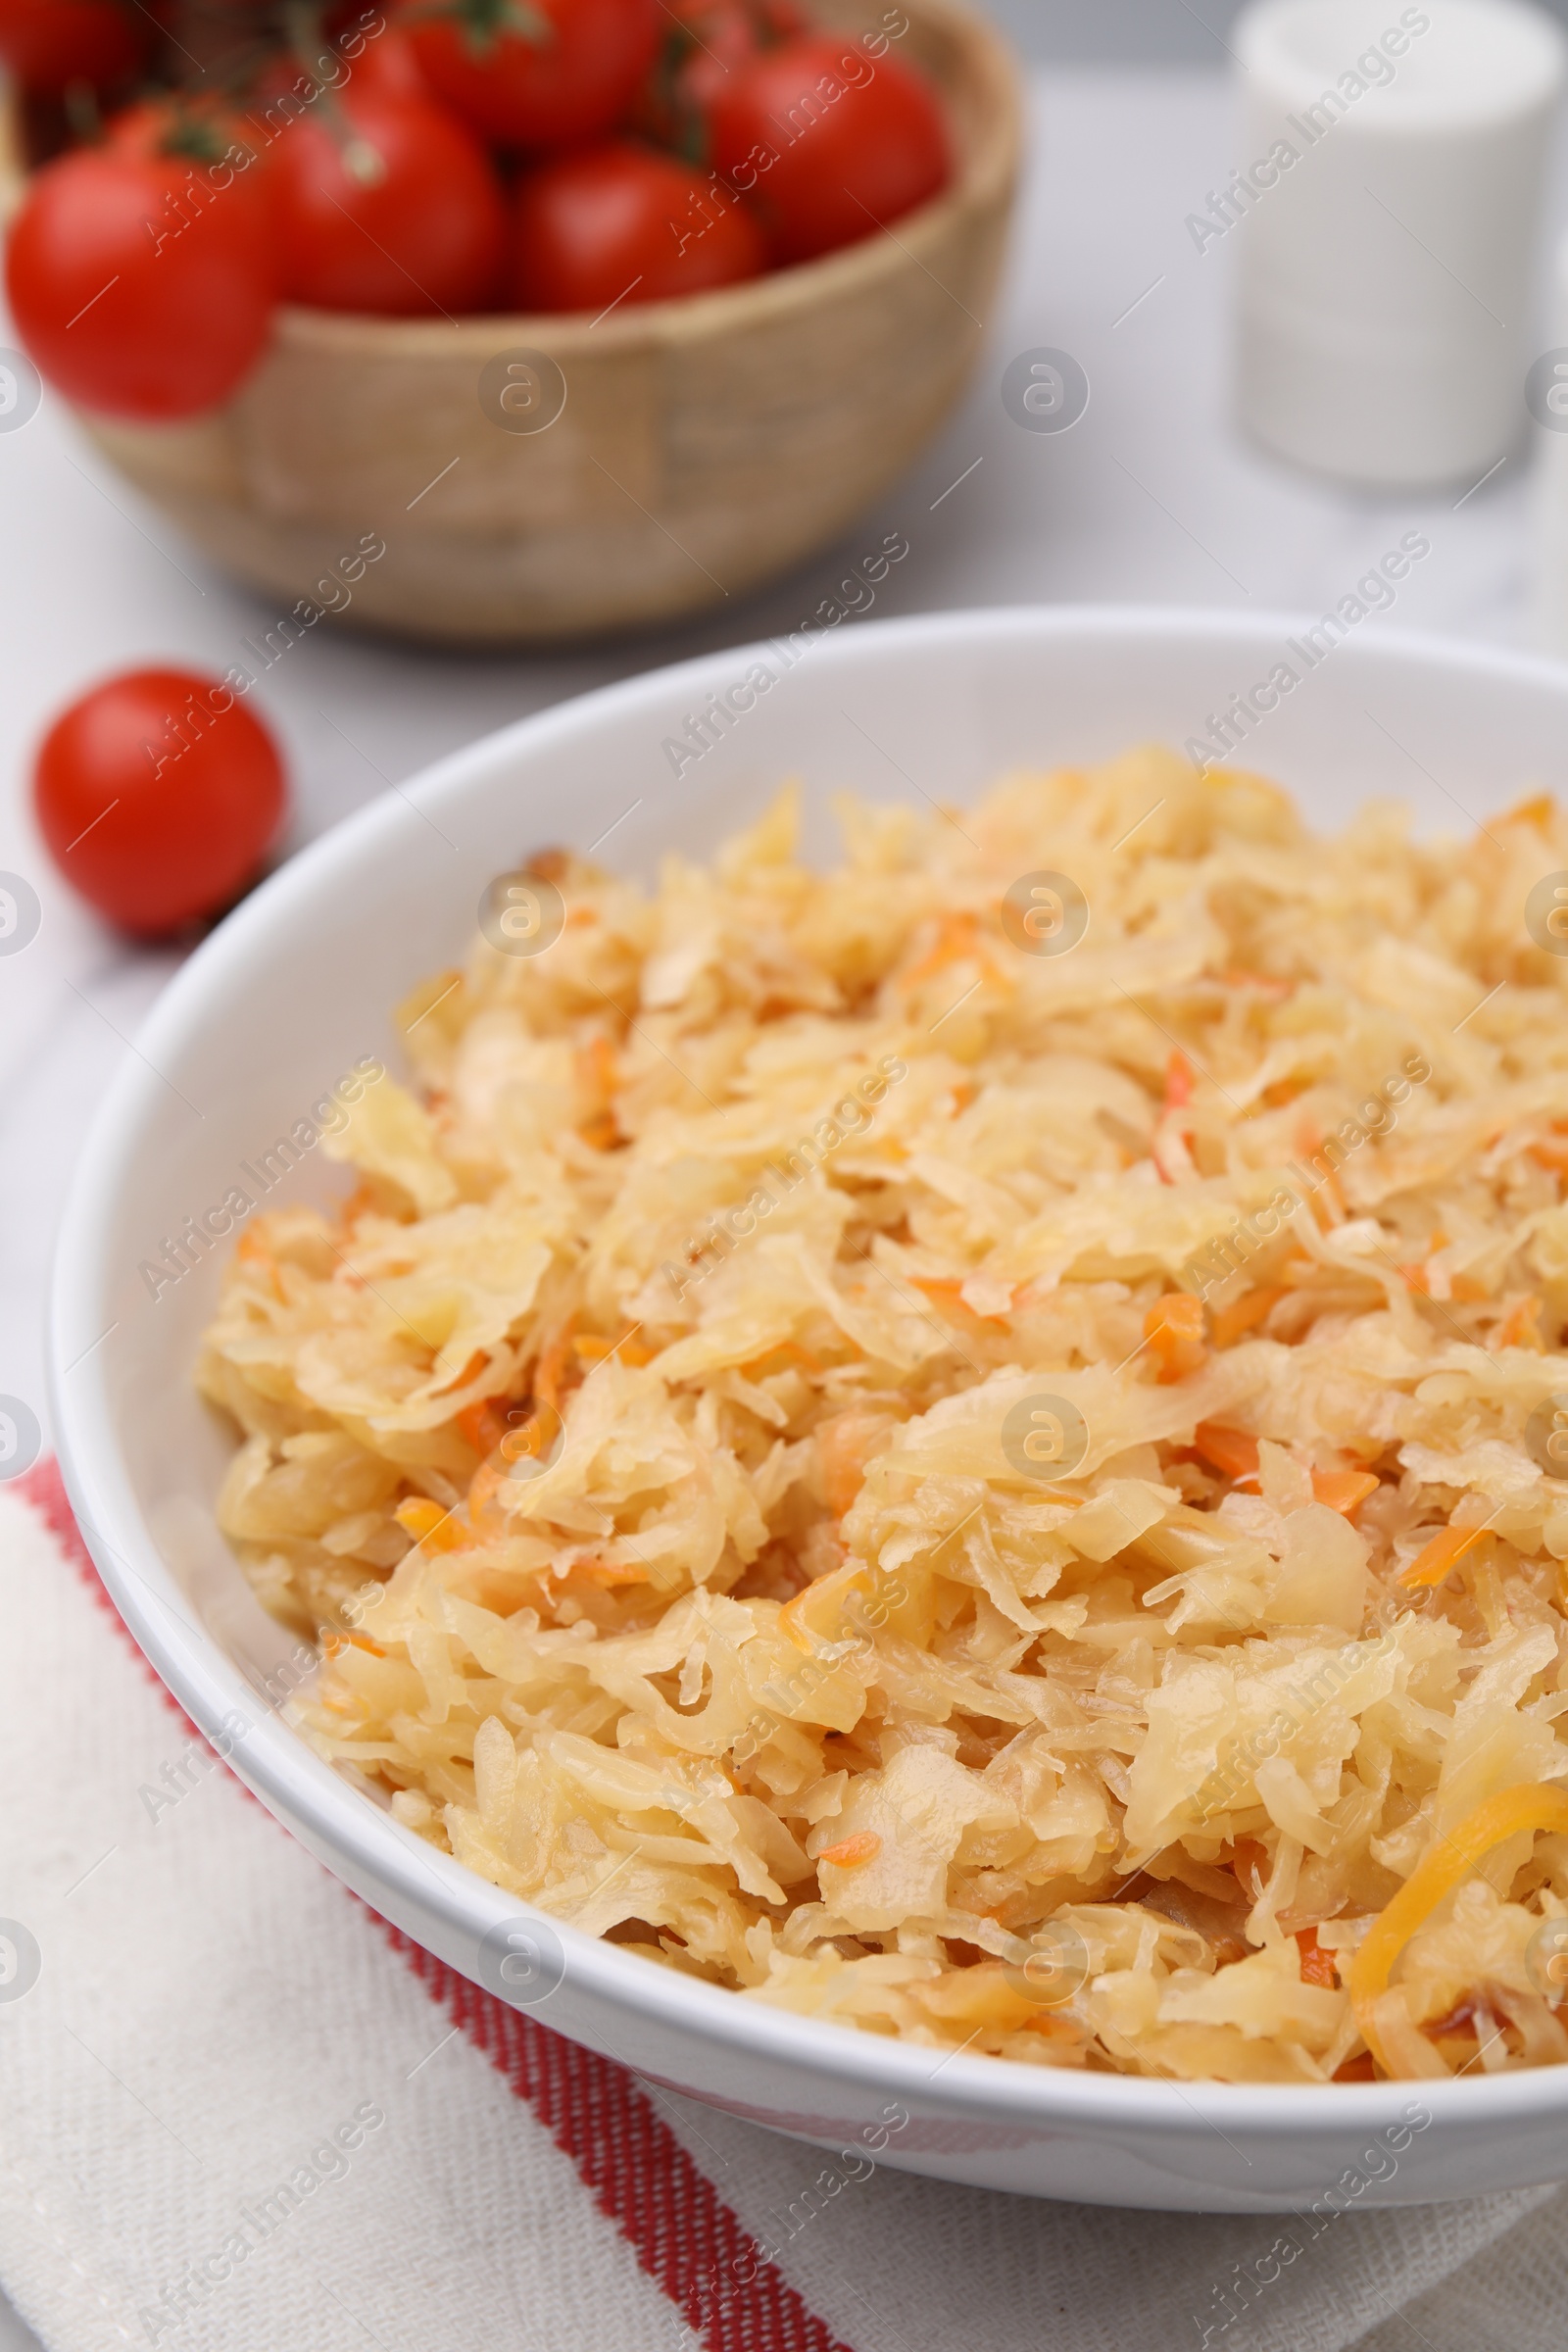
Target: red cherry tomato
x,y
385,62
535,73
159,795
204,136
388,205
619,222
829,143
48,44
702,44
141,285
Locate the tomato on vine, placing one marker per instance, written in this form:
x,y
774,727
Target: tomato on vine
x,y
828,142
49,44
386,204
702,45
534,72
617,223
142,287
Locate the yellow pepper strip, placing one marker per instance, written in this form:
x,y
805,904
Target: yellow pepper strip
x,y
1445,1550
1440,1869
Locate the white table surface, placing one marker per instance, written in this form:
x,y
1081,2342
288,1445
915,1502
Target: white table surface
x,y
1152,498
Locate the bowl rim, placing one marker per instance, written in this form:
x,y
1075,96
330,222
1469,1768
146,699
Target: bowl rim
x,y
367,1846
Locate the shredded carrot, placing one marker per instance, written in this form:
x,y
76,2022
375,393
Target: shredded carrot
x,y
551,1365
1446,1547
614,1572
512,1442
421,1002
358,1202
1237,977
1246,1855
1317,1965
1178,1082
814,1614
1309,1140
1521,1325
482,1425
529,1440
955,937
812,1363
948,1292
482,1488
1343,1490
597,1061
1418,1274
433,1528
1229,1322
1537,810
1229,1451
252,1253
595,1065
1467,1290
590,1350
842,1446
460,1379
1174,1330
1550,1151
962,1096
1448,1861
863,1846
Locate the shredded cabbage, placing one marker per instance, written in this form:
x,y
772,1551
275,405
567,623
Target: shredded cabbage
x,y
1001,1488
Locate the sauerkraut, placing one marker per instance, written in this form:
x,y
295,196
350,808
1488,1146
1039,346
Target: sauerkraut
x,y
969,1444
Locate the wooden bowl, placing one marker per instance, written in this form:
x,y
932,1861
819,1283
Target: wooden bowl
x,y
705,445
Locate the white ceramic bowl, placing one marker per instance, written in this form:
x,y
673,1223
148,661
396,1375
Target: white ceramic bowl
x,y
297,985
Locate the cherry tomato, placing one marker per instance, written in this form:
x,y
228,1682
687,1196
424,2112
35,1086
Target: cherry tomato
x,y
386,204
701,46
535,73
620,221
351,51
48,44
142,287
828,143
159,794
204,130
385,61
225,155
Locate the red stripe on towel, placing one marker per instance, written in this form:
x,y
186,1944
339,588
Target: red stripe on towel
x,y
631,2164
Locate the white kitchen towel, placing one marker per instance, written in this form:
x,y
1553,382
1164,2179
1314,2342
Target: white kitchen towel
x,y
210,2021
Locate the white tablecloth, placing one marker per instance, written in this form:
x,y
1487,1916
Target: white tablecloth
x,y
1150,498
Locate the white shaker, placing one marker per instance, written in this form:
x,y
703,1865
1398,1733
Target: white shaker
x,y
1546,398
1384,215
